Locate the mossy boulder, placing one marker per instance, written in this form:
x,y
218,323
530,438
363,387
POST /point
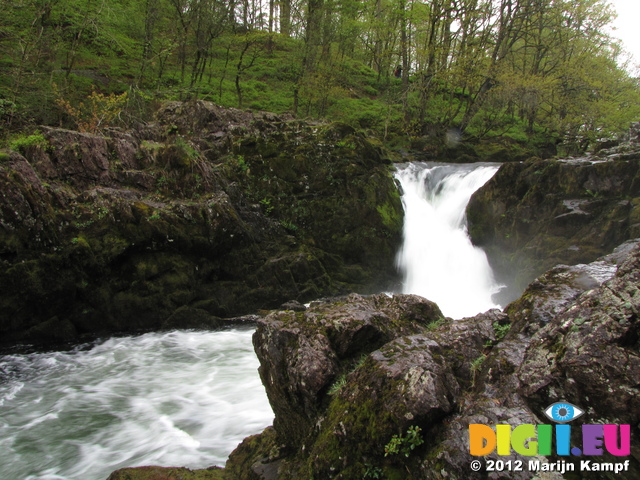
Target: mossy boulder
x,y
536,214
399,404
346,375
216,212
304,353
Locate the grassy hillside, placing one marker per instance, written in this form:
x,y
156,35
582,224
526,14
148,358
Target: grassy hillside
x,y
524,82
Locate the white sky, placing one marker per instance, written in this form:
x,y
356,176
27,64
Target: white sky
x,y
627,28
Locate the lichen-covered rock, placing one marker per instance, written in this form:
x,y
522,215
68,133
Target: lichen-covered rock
x,y
215,210
345,376
407,383
590,352
536,214
508,382
303,353
399,404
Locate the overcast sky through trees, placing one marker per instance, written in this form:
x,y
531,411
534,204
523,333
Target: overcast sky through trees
x,y
626,27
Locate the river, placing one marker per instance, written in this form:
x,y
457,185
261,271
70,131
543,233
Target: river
x,y
170,399
188,398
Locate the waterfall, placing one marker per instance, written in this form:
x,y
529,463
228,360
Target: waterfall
x,y
437,259
168,399
189,398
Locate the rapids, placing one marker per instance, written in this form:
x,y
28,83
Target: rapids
x,y
170,399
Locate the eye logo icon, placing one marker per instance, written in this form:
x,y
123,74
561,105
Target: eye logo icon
x,y
563,412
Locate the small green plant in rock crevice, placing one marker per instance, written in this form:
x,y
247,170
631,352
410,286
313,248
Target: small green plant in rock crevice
x,y
476,365
501,330
373,472
341,380
404,445
22,143
268,207
337,385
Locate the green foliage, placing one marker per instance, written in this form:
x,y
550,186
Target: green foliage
x,y
476,365
337,385
186,148
7,110
371,471
96,113
501,330
266,204
22,143
341,380
522,77
162,181
435,324
242,165
289,225
592,194
404,445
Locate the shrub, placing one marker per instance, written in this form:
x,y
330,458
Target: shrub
x,y
97,113
22,143
404,445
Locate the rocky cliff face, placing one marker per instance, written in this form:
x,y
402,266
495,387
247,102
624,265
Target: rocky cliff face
x,y
381,387
207,213
535,214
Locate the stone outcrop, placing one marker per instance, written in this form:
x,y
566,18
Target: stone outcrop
x,y
206,214
305,353
352,380
536,214
163,473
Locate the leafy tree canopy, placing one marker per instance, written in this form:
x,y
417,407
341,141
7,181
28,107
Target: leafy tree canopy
x,y
532,70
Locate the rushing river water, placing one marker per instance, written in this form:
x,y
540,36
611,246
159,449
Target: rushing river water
x,y
186,398
437,258
181,398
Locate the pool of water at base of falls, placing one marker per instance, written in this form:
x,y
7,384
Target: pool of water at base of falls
x,y
188,398
180,398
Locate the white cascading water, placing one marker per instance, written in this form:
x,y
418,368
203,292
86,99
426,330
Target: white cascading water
x,y
437,258
188,398
178,398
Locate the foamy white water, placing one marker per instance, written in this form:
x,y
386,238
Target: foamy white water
x,y
437,258
176,398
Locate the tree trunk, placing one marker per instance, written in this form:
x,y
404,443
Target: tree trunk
x,y
285,17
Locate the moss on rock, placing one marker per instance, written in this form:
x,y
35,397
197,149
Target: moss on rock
x,y
167,473
133,227
536,214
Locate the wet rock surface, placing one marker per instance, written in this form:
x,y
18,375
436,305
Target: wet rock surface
x,y
340,402
205,214
536,214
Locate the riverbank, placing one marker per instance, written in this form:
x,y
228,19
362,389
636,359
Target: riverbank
x,y
202,215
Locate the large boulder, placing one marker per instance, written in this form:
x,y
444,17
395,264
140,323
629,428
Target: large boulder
x,y
346,376
536,214
192,213
399,405
304,354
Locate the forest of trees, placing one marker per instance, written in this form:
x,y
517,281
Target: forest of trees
x,y
523,69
